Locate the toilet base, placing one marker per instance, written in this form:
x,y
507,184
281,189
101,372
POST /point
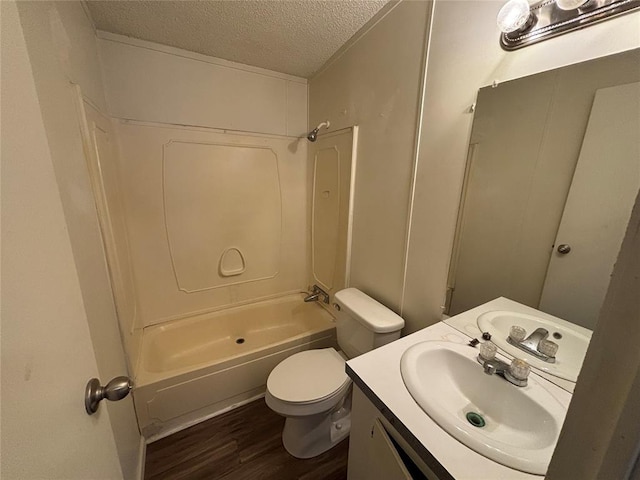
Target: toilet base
x,y
307,437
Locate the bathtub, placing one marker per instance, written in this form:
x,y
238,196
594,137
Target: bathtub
x,y
194,368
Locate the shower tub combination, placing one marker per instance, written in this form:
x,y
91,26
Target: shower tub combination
x,y
164,196
196,367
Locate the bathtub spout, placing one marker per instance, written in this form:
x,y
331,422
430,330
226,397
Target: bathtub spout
x,y
317,294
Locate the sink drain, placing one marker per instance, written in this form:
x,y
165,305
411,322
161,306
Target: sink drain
x,y
240,341
475,419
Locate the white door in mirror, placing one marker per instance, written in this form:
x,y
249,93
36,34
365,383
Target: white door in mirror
x,y
597,209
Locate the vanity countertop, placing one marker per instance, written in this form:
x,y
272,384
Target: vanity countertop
x,y
377,374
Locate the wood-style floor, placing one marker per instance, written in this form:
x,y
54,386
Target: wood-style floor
x,y
242,444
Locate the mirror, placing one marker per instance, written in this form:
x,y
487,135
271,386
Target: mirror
x,y
552,173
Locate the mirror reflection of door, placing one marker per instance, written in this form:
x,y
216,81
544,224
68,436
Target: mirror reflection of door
x,y
604,188
526,140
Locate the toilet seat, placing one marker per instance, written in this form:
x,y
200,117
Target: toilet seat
x,y
309,377
312,390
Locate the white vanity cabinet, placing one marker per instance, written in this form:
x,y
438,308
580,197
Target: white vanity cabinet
x,y
377,451
391,435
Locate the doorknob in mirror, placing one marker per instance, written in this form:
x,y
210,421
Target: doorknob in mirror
x,y
115,390
564,249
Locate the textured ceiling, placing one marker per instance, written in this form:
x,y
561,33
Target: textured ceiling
x,y
289,36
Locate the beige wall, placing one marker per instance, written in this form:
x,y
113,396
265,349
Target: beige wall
x,y
62,49
150,82
461,60
376,84
47,355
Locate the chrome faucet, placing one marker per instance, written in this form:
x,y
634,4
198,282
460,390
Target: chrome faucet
x,y
317,294
498,367
532,344
517,372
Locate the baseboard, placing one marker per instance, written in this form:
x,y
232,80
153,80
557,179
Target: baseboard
x,y
187,421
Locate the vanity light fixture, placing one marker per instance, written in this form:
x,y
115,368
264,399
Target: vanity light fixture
x,y
523,23
570,4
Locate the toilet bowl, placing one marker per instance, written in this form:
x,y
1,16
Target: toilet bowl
x,y
312,390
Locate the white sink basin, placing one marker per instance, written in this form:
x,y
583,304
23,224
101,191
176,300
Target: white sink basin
x,y
573,341
522,424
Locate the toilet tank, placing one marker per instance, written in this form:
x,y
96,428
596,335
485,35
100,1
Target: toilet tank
x,y
363,323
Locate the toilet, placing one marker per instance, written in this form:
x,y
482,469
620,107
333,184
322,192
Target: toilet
x,y
311,388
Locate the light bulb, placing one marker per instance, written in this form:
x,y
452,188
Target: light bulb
x,y
513,15
570,4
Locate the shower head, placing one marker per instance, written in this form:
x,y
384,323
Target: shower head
x,y
313,134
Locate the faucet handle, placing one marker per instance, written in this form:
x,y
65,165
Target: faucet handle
x,y
517,333
548,348
488,351
519,369
318,294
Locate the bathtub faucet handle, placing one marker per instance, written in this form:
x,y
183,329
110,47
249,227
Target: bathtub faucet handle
x,y
317,294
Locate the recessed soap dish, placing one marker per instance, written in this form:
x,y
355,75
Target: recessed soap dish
x,y
232,262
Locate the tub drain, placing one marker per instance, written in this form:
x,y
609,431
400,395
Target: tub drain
x,y
476,419
240,341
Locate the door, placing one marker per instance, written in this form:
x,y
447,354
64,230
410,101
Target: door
x,y
604,187
386,463
47,354
333,163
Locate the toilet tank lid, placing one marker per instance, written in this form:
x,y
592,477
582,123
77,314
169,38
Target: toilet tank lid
x,y
369,312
